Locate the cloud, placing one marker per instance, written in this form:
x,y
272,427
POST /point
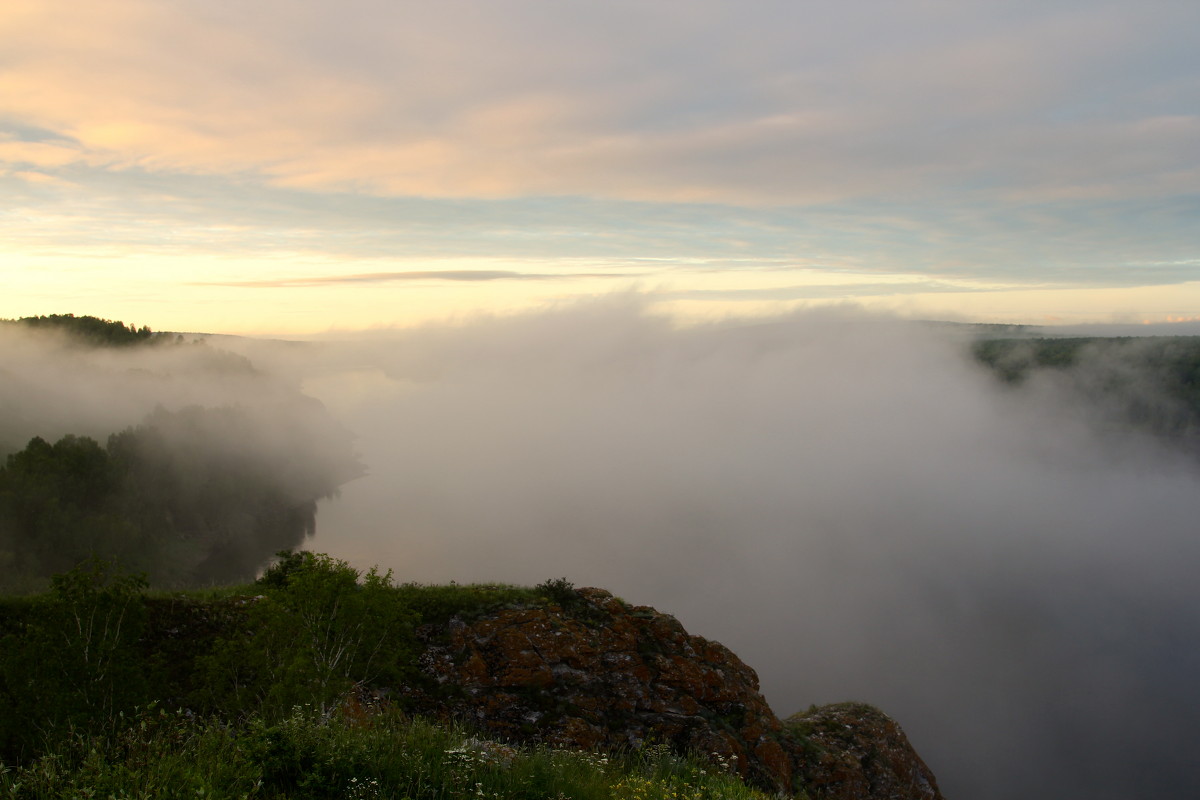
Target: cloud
x,y
834,291
467,275
1066,241
35,154
1028,144
747,104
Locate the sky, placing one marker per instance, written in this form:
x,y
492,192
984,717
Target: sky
x,y
305,166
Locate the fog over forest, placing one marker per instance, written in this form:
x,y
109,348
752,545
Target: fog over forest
x,y
849,502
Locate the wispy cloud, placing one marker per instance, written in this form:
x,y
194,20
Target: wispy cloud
x,y
468,275
1010,143
824,291
745,104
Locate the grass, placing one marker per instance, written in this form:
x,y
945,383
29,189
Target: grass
x,y
438,603
135,749
381,755
206,594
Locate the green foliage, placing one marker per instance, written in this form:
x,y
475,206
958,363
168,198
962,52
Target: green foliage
x,y
83,655
320,627
1150,384
562,592
100,611
267,680
1014,359
58,505
74,663
157,754
437,604
288,564
225,490
312,755
92,330
191,497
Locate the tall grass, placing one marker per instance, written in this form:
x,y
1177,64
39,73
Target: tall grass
x,y
378,755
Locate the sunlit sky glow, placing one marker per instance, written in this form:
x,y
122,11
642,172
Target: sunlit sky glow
x,y
292,166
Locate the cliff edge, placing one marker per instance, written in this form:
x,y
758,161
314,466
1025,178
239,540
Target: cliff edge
x,y
595,672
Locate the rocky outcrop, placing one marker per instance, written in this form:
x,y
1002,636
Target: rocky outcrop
x,y
600,673
854,750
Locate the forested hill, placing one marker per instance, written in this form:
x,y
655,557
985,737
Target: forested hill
x,y
193,497
1150,383
90,330
177,459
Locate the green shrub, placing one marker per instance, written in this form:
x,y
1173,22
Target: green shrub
x,y
320,627
73,662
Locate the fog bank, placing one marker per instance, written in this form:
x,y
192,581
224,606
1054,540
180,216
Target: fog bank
x,y
846,501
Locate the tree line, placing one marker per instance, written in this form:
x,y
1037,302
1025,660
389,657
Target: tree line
x,y
1150,383
191,496
186,498
91,330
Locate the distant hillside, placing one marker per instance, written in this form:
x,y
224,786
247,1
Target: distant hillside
x,y
177,459
91,330
1148,383
1151,383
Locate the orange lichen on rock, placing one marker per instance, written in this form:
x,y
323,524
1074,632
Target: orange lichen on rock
x,y
605,674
